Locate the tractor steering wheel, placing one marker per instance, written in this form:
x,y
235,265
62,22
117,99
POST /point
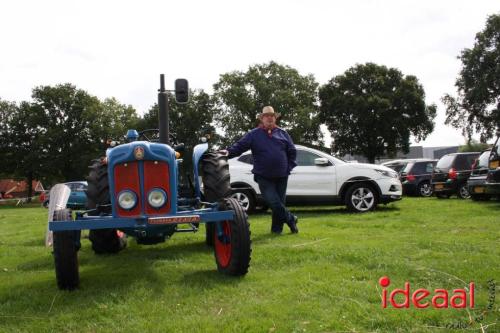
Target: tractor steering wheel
x,y
153,135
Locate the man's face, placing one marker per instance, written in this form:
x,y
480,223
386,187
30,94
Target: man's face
x,y
268,120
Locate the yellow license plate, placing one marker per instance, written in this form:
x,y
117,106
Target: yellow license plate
x,y
494,164
479,189
174,219
438,186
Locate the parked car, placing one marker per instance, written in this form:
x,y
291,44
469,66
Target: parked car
x,y
416,177
493,178
396,165
451,173
320,178
77,198
476,184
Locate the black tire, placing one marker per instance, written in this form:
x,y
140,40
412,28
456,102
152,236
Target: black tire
x,y
209,234
463,192
103,240
233,251
66,245
216,184
361,197
215,176
245,198
425,189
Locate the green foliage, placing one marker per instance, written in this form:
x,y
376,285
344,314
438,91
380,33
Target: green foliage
x,y
477,105
324,279
54,137
240,96
372,110
187,121
473,146
22,142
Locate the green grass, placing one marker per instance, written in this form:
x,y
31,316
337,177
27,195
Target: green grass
x,y
324,279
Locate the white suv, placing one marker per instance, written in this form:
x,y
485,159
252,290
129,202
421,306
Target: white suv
x,y
320,178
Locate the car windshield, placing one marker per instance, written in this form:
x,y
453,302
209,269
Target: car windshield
x,y
445,162
407,167
483,160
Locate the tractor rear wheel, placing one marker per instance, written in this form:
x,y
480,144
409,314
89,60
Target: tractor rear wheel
x,y
216,184
66,245
103,240
233,247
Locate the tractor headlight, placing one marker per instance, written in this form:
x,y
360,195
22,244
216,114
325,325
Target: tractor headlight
x,y
127,199
157,198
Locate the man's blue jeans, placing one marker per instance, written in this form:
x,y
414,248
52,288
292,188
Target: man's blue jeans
x,y
274,192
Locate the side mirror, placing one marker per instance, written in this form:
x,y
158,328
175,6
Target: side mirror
x,y
321,161
181,91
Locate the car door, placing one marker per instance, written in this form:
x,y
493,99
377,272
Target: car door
x,y
309,179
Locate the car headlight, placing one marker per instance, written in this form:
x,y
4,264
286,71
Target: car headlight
x,y
385,173
127,199
157,197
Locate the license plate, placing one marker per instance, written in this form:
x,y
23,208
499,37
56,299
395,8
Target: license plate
x,y
438,186
174,219
479,189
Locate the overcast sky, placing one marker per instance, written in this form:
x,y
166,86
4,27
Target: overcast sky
x,y
119,48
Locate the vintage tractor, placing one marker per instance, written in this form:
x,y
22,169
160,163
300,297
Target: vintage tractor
x,y
135,191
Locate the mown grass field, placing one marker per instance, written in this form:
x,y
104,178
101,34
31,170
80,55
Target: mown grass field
x,y
324,279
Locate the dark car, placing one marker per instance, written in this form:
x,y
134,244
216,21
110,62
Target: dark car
x,y
77,198
451,173
493,178
416,177
396,165
476,184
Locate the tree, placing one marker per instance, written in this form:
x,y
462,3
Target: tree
x,y
240,96
77,125
473,146
187,121
477,106
23,129
372,110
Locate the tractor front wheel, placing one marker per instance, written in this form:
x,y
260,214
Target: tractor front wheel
x,y
66,245
103,240
232,245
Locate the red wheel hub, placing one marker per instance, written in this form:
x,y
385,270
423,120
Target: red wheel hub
x,y
223,245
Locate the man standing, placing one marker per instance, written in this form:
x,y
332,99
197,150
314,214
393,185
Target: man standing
x,y
273,159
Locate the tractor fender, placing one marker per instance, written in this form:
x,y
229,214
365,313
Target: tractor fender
x,y
59,195
198,152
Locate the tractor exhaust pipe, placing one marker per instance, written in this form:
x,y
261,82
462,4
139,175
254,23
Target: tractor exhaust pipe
x,y
163,112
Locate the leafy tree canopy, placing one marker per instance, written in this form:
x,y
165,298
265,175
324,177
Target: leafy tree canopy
x,y
476,108
240,96
372,110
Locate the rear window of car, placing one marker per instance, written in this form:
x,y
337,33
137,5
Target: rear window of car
x,y
408,168
248,159
464,162
397,166
445,162
483,160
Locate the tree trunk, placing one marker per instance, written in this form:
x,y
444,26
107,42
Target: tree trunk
x,y
30,185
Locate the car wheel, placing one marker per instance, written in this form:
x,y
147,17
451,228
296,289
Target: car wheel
x,y
425,189
361,198
245,198
463,192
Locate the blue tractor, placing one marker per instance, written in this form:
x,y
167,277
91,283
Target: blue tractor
x,y
135,191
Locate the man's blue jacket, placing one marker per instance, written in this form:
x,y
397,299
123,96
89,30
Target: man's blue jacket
x,y
273,151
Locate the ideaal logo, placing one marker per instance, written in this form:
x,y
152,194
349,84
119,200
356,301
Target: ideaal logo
x,y
439,299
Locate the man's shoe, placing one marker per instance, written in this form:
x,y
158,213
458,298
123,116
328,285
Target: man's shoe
x,y
293,225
